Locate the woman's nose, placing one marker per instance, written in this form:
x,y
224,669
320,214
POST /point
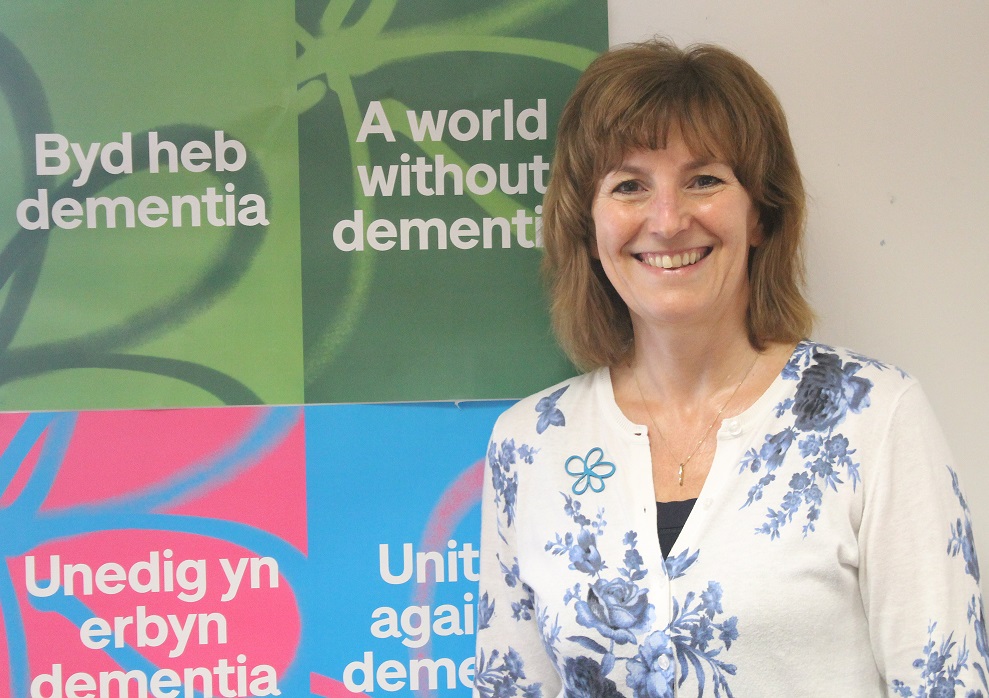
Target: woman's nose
x,y
668,213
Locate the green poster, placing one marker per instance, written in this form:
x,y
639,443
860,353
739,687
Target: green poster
x,y
425,144
149,204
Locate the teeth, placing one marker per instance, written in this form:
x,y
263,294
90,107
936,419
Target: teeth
x,y
672,262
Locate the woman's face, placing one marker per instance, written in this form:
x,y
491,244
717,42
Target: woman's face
x,y
673,232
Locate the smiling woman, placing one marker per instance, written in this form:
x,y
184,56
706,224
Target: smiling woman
x,y
673,224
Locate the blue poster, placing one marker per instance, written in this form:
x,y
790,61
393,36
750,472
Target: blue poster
x,y
393,500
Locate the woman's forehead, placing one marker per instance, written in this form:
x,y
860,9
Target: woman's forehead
x,y
631,157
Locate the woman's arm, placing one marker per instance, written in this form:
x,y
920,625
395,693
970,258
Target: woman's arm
x,y
919,574
510,650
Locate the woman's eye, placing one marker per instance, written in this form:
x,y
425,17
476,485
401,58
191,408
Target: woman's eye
x,y
629,186
705,181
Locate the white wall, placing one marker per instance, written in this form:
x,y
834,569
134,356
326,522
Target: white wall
x,y
888,102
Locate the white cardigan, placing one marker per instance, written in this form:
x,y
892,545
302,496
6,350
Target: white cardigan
x,y
829,552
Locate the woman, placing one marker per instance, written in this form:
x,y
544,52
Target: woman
x,y
828,548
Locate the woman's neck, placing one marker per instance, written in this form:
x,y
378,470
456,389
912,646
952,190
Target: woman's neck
x,y
687,365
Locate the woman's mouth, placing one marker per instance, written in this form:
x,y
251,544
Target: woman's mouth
x,y
673,261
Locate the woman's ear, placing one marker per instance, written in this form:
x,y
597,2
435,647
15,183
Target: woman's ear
x,y
757,234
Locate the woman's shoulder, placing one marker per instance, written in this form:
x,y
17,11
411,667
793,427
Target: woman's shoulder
x,y
812,360
547,407
830,381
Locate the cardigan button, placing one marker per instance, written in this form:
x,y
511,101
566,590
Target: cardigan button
x,y
734,428
664,662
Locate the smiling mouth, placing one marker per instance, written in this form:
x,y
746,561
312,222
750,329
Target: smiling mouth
x,y
674,261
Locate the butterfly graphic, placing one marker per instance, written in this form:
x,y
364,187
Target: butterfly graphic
x,y
549,413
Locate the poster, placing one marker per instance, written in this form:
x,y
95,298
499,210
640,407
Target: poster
x,y
237,202
422,172
115,293
241,551
398,570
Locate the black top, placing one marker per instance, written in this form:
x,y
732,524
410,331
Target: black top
x,y
670,518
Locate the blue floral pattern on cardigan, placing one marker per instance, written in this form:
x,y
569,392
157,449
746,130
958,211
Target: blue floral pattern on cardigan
x,y
941,662
828,390
616,611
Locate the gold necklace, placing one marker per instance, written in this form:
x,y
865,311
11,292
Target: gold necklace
x,y
707,431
